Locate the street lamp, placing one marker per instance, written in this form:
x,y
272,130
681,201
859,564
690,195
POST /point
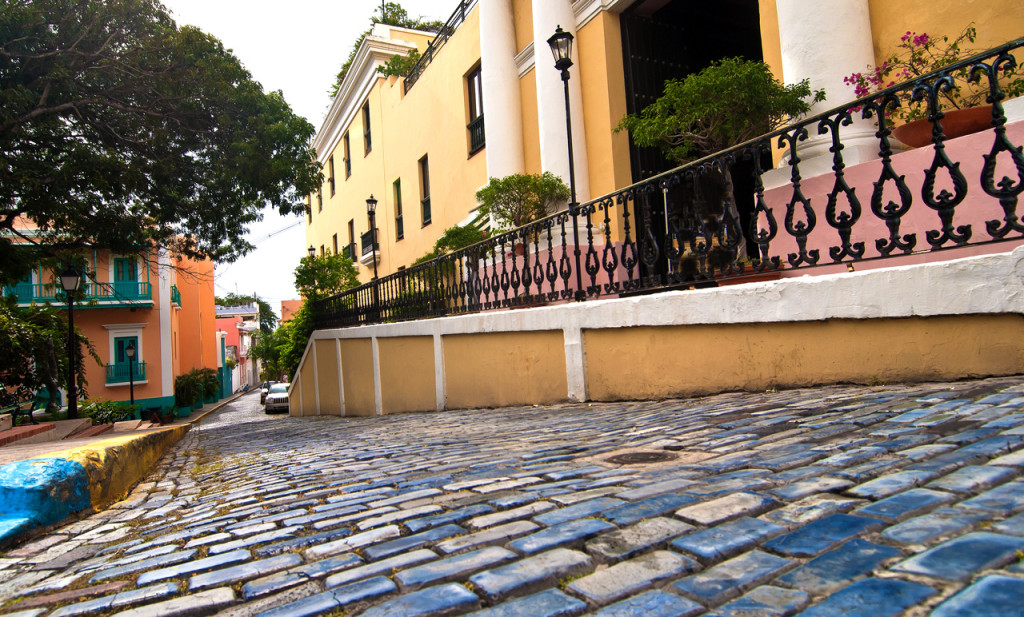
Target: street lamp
x,y
561,49
130,352
69,281
371,212
312,252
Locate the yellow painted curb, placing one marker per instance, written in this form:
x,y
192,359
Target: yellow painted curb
x,y
115,465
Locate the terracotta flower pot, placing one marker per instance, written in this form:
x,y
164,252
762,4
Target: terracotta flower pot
x,y
956,123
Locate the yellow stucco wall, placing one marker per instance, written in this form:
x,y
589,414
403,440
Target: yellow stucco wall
x,y
651,362
327,377
522,13
308,385
357,377
407,374
508,368
531,139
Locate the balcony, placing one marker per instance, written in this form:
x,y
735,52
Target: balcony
x,y
175,296
349,251
367,256
118,373
476,134
92,295
834,214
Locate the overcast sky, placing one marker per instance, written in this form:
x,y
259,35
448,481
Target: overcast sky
x,y
296,46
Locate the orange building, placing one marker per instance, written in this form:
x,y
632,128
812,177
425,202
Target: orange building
x,y
288,309
157,303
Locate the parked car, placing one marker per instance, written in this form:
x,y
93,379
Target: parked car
x,y
264,389
277,398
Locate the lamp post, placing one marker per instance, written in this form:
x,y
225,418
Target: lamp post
x,y
312,252
561,48
371,212
69,281
130,352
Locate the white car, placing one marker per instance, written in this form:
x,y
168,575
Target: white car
x,y
277,398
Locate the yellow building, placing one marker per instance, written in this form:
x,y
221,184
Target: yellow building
x,y
486,100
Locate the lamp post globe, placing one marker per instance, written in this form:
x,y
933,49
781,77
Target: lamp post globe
x,y
70,279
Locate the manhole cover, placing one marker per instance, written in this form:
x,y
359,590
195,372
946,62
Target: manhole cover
x,y
633,458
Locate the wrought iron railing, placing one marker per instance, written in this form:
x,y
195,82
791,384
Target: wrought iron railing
x,y
664,232
366,239
442,36
118,373
476,134
128,292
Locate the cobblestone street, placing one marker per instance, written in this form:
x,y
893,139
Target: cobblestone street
x,y
854,501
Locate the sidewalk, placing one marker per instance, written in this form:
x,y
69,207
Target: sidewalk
x,y
44,483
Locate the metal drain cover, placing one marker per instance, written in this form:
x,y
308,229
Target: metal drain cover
x,y
634,458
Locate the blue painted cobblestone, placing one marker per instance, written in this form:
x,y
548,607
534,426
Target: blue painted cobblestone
x,y
809,500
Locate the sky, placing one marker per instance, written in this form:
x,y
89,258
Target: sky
x,y
296,46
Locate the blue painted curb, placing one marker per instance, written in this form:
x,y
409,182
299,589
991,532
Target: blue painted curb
x,y
39,492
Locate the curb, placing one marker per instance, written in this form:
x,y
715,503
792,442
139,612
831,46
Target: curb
x,y
45,490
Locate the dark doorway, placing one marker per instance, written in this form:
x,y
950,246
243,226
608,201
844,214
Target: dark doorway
x,y
670,39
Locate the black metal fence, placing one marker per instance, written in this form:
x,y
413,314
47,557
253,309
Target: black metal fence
x,y
445,33
714,221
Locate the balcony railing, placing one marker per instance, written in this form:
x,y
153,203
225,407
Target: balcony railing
x,y
349,251
175,296
476,134
660,234
121,292
367,242
118,373
445,33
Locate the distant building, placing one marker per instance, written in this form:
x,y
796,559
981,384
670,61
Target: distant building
x,y
288,309
240,325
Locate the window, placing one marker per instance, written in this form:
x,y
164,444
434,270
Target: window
x,y
366,127
399,224
309,209
347,155
476,111
320,200
335,239
425,190
126,277
121,370
322,251
330,167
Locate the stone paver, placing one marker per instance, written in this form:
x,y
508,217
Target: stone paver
x,y
859,501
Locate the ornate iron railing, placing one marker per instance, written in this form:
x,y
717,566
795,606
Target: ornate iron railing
x,y
445,33
675,231
128,292
118,373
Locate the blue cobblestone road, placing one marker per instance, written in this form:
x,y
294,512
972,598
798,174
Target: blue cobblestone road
x,y
852,501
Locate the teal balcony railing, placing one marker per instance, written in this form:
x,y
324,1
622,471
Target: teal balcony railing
x,y
118,373
127,292
175,295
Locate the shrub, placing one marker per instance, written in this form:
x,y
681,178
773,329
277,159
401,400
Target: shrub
x,y
108,412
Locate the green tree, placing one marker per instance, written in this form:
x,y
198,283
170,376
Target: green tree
x,y
268,319
325,275
121,130
35,342
392,14
519,199
727,103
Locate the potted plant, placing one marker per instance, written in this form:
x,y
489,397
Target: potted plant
x,y
731,101
520,199
964,105
186,392
210,383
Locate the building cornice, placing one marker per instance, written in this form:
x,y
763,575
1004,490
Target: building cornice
x,y
586,10
524,60
373,52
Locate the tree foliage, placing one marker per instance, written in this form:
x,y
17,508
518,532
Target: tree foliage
x,y
729,102
119,129
519,199
268,319
35,343
325,275
392,14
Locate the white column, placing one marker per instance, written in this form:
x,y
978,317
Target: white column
x,y
163,265
825,42
503,110
554,148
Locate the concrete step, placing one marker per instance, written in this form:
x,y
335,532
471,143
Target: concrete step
x,y
93,431
68,428
31,433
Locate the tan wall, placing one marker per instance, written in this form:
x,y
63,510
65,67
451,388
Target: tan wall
x,y
639,363
522,13
327,376
307,385
407,374
531,139
357,377
508,368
